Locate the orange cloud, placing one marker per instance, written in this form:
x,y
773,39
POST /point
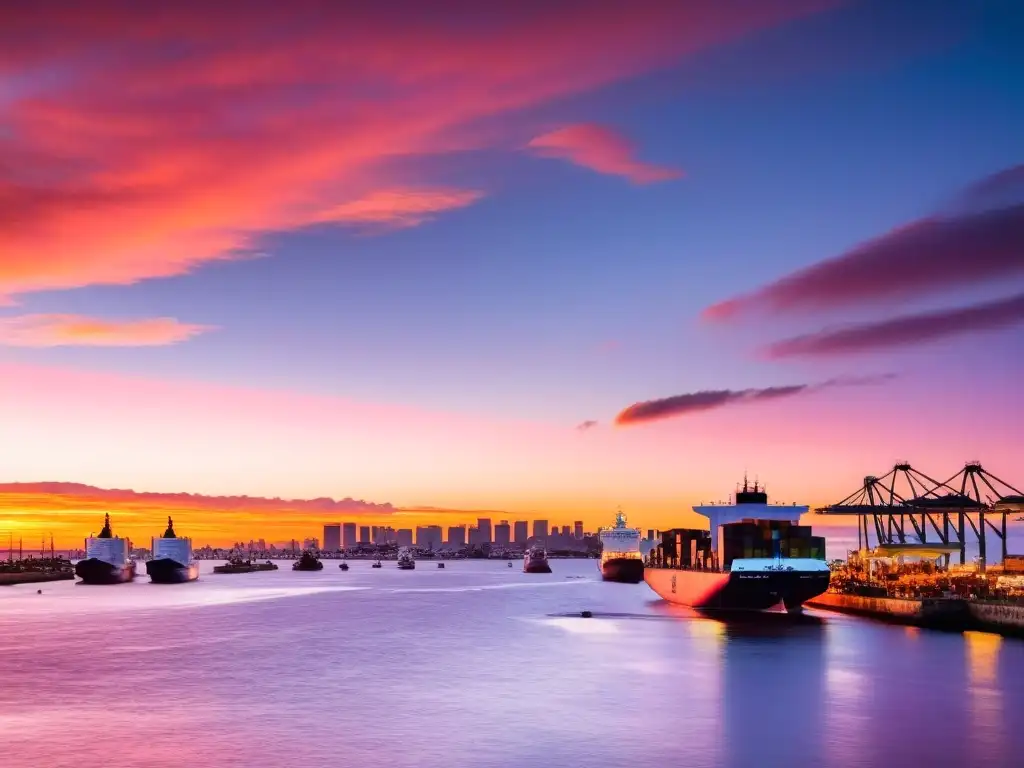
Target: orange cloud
x,y
76,330
122,159
603,150
398,208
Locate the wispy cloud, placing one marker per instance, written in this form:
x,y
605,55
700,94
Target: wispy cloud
x,y
902,331
587,425
600,149
399,208
707,400
124,160
982,242
76,330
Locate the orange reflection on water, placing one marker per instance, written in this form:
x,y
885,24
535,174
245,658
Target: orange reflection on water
x,y
982,655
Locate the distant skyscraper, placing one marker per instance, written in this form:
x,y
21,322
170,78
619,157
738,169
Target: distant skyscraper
x,y
364,534
385,535
565,531
428,537
374,533
502,534
577,529
540,529
484,524
403,537
311,543
457,536
522,531
348,535
476,538
332,537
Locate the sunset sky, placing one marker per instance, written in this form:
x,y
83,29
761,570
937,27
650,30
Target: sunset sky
x,y
542,259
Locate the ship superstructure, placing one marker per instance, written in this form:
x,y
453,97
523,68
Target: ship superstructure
x,y
620,552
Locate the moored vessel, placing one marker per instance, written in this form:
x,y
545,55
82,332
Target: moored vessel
x,y
536,560
405,560
308,562
620,553
237,565
755,557
106,559
172,561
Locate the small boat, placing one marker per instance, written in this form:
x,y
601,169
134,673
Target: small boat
x,y
510,564
378,564
172,561
343,566
106,559
238,565
440,565
536,560
308,562
405,560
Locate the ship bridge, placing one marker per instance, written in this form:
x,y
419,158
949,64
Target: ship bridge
x,y
750,504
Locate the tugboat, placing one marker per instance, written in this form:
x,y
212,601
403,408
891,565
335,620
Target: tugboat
x,y
106,559
510,564
308,562
440,565
343,566
172,561
237,565
405,561
755,557
620,553
377,564
536,560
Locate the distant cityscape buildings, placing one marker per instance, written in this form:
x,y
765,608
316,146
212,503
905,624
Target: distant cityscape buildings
x,y
540,529
332,537
578,529
348,535
503,534
428,537
457,536
364,534
522,532
403,537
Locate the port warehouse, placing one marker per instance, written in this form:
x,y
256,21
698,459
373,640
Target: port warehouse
x,y
747,538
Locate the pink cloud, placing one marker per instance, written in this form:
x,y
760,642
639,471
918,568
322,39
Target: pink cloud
x,y
398,208
926,256
600,149
903,331
123,159
76,330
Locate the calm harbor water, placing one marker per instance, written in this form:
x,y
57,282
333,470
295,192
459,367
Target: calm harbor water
x,y
479,664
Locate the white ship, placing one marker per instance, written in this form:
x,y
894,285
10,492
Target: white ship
x,y
172,561
621,559
106,559
536,560
405,560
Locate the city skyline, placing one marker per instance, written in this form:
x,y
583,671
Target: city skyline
x,y
462,262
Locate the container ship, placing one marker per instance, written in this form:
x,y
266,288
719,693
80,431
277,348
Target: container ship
x,y
106,559
536,560
172,561
755,557
620,553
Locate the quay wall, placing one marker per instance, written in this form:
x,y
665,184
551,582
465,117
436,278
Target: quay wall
x,y
11,578
946,614
1004,618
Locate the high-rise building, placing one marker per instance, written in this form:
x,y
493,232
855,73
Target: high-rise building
x,y
565,531
403,537
457,536
332,537
385,535
522,531
311,543
476,537
364,534
484,524
577,529
428,537
502,534
374,532
348,535
540,529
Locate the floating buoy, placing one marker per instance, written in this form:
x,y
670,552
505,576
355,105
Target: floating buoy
x,y
39,591
587,615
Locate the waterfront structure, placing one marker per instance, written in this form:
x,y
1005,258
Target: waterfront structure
x,y
457,536
403,537
428,537
935,510
332,537
348,535
577,529
522,532
502,534
364,534
540,529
